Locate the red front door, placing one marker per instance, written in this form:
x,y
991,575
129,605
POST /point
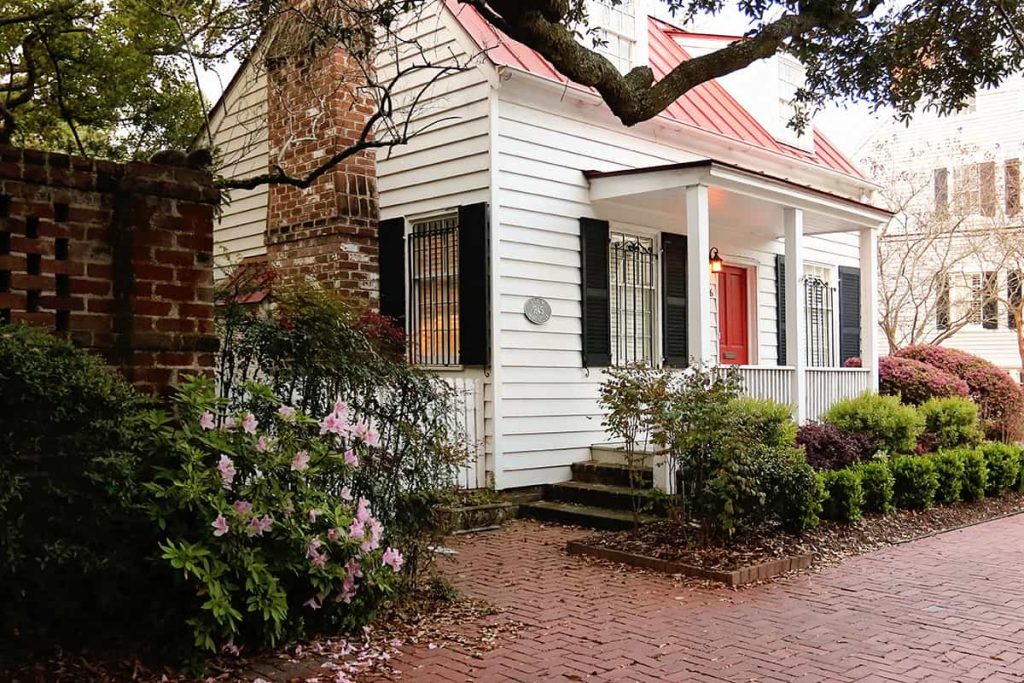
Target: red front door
x,y
733,316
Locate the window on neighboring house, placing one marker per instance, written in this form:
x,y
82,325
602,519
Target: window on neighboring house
x,y
616,28
987,188
819,317
632,297
434,291
967,189
940,182
1011,177
974,299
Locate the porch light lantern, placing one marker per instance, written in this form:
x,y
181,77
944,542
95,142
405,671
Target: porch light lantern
x,y
714,260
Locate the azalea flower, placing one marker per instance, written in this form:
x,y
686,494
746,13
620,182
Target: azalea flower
x,y
312,603
220,526
335,424
362,509
288,509
242,507
340,407
393,559
348,590
352,568
257,527
333,534
229,424
351,458
357,530
300,461
372,540
346,493
262,444
312,515
287,413
206,420
249,423
227,470
319,560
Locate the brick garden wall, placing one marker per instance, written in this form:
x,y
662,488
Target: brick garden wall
x,y
118,257
327,232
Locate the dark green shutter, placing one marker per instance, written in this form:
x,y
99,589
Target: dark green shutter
x,y
597,336
391,260
474,311
780,308
942,303
674,318
990,307
1014,292
849,313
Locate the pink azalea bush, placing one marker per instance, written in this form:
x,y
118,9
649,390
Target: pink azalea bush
x,y
1000,399
916,382
261,522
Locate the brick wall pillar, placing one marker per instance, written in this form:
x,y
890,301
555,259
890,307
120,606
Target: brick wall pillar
x,y
327,232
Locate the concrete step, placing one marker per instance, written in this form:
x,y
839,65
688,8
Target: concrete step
x,y
610,473
609,496
615,454
581,515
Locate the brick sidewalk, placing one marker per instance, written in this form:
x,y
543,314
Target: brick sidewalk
x,y
949,608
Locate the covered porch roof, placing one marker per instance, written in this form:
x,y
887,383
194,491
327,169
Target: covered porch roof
x,y
736,197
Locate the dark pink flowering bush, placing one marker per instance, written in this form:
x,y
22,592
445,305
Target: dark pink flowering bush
x,y
916,382
1000,399
263,529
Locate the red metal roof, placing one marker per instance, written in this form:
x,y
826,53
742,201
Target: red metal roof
x,y
708,106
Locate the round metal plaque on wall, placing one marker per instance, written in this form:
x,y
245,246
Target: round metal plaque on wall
x,y
537,310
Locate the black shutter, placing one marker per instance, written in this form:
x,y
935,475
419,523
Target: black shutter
x,y
1014,293
780,307
942,304
391,257
849,313
674,318
473,289
597,336
990,307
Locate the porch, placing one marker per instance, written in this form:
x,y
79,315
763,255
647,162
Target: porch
x,y
775,279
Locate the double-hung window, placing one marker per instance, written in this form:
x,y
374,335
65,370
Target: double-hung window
x,y
632,297
616,27
433,249
819,300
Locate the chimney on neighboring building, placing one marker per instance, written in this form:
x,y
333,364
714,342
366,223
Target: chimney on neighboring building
x,y
317,107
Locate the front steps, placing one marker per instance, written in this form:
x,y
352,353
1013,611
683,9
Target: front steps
x,y
598,497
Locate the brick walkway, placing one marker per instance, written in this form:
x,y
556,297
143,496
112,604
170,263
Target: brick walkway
x,y
949,608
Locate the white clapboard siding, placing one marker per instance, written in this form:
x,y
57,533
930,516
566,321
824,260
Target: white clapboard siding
x,y
551,413
828,386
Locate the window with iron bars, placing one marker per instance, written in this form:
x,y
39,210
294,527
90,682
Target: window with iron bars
x,y
434,291
632,297
819,296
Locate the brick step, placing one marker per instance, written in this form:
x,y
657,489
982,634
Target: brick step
x,y
581,515
610,474
609,496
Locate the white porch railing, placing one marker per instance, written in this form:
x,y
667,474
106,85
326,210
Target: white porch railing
x,y
469,414
828,386
771,382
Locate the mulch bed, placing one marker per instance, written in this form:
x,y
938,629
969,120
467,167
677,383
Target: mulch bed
x,y
830,542
469,626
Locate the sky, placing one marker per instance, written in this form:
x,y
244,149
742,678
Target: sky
x,y
847,125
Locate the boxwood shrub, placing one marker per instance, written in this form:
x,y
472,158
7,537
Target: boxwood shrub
x,y
1002,461
891,425
915,482
950,423
844,497
975,479
949,468
877,482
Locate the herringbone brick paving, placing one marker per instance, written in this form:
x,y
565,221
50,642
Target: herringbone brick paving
x,y
947,608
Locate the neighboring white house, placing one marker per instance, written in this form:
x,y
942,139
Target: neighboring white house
x,y
529,240
965,169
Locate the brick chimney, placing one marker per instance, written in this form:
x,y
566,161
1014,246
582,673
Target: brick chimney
x,y
328,232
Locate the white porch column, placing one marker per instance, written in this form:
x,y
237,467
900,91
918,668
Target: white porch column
x,y
793,220
698,301
869,304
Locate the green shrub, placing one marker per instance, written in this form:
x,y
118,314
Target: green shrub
x,y
795,495
975,479
950,423
1002,461
893,426
915,481
771,421
877,482
844,496
949,468
73,536
264,537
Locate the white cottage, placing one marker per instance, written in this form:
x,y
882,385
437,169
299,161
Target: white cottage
x,y
529,240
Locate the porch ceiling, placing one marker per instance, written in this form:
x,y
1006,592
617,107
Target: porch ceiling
x,y
737,199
